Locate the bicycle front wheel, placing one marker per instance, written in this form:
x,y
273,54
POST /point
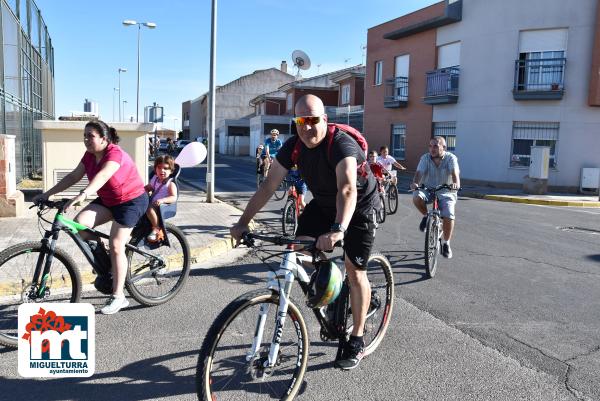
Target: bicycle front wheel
x,y
17,266
432,245
381,212
154,281
289,219
392,198
226,369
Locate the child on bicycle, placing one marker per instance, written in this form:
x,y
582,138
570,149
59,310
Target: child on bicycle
x,y
301,187
378,170
163,191
388,162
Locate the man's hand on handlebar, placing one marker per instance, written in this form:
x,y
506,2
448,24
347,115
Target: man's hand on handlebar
x,y
414,186
237,232
327,241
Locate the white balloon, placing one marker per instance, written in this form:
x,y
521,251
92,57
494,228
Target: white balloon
x,y
191,155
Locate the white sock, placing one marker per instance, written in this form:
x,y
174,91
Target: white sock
x,y
445,242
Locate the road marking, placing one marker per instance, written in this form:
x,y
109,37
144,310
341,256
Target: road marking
x,y
567,209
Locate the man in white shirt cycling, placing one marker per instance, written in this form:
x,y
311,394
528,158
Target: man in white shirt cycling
x,y
388,162
436,168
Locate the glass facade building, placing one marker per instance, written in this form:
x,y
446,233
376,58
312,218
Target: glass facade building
x,y
26,80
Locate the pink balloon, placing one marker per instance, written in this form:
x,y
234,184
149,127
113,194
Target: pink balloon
x,y
191,155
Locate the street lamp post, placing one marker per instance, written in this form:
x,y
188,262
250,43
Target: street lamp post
x,y
115,90
119,89
124,102
149,25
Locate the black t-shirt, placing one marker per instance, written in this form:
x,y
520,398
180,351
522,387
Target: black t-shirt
x,y
317,168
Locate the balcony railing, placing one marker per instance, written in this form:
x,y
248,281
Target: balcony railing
x,y
442,86
396,92
539,79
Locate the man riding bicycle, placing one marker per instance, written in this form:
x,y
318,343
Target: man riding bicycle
x,y
436,168
272,146
342,207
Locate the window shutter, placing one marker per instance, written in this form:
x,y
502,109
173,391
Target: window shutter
x,y
542,40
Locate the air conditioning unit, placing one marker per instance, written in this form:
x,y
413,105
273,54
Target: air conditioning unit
x,y
590,180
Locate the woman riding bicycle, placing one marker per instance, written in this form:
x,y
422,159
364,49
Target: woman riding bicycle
x,y
112,174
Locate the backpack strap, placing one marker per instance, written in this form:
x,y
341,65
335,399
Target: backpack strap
x,y
296,151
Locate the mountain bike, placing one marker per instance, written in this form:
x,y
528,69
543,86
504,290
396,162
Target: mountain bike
x,y
43,272
434,230
250,353
291,210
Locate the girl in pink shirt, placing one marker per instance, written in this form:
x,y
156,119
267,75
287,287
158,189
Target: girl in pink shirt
x,y
163,191
121,198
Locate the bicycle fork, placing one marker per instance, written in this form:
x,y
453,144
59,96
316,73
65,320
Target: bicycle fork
x,y
282,308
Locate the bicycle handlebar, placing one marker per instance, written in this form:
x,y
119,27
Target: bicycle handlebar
x,y
248,239
436,189
48,204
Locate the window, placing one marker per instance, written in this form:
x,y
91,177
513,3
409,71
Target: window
x,y
345,94
447,130
378,72
527,134
397,142
288,104
541,59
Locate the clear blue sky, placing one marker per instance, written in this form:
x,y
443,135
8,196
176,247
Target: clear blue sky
x,y
90,44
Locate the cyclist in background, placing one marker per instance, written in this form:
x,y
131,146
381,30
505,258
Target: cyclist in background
x,y
272,146
388,162
438,167
377,168
301,188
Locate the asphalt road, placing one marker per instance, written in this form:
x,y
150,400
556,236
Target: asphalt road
x,y
514,315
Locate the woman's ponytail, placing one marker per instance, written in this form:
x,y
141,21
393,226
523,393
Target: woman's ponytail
x,y
112,135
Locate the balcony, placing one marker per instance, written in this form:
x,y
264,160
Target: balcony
x,y
396,92
442,86
539,79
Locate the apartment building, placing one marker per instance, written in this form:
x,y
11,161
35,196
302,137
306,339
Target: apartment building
x,y
495,79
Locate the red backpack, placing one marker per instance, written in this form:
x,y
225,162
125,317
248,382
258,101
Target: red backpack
x,y
331,129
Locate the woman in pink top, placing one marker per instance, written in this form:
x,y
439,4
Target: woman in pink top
x,y
121,198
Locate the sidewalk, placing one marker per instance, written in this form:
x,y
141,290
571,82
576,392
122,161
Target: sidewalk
x,y
515,195
206,226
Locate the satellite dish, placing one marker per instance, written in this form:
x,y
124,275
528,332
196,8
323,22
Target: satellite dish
x,y
301,60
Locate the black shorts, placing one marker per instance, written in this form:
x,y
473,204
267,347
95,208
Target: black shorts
x,y
359,237
127,213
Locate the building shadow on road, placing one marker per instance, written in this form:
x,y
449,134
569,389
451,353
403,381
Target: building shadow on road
x,y
239,273
141,380
406,264
594,258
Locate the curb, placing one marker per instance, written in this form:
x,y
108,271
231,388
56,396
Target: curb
x,y
531,201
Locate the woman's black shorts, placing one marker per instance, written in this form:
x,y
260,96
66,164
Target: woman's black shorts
x,y
127,213
359,237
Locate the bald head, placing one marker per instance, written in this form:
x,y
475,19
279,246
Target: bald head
x,y
309,105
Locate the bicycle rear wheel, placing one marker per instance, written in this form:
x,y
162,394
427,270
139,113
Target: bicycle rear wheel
x,y
379,273
392,198
281,190
289,218
17,266
225,372
432,245
156,281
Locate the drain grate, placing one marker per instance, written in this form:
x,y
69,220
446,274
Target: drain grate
x,y
580,230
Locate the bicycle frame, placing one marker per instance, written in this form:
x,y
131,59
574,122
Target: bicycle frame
x,y
72,228
281,281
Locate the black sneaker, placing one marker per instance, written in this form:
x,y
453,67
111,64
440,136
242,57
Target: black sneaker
x,y
351,356
446,251
423,224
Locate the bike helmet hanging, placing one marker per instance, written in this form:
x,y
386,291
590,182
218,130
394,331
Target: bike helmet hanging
x,y
325,284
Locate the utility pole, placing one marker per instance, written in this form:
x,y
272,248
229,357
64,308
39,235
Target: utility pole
x,y
210,170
